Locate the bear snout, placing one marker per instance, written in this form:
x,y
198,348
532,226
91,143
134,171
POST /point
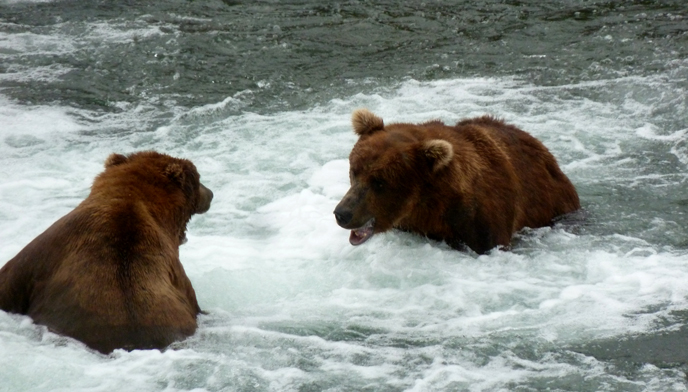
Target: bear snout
x,y
205,197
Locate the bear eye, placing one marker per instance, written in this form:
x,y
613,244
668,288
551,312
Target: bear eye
x,y
377,184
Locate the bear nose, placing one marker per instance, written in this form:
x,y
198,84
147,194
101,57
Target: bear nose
x,y
343,216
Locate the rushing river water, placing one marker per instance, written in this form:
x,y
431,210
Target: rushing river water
x,y
258,94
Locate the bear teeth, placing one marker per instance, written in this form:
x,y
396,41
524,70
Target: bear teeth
x,y
363,233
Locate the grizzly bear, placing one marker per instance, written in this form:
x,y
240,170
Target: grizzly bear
x,y
471,185
108,273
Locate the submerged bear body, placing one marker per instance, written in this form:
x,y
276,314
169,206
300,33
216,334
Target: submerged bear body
x,y
108,273
473,184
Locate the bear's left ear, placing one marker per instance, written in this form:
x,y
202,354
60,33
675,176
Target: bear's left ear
x,y
115,159
175,172
365,122
438,152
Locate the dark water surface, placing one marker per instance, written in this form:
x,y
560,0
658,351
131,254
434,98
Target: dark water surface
x,y
305,52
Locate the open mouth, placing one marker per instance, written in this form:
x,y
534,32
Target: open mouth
x,y
363,233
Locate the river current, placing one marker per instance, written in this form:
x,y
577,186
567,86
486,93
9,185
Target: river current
x,y
259,94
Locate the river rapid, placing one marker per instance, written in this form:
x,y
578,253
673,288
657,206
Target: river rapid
x,y
259,94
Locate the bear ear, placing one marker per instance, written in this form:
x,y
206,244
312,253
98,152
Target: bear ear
x,y
175,172
115,159
365,122
439,153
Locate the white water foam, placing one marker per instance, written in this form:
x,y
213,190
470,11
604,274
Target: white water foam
x,y
293,306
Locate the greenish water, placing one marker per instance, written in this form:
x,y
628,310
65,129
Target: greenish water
x,y
190,53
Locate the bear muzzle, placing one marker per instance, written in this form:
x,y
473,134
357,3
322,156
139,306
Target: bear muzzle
x,y
358,235
204,199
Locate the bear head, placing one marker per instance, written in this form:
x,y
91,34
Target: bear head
x,y
170,187
389,167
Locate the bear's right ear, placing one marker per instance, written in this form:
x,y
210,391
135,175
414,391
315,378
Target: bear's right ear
x,y
114,160
438,152
365,122
175,172
182,173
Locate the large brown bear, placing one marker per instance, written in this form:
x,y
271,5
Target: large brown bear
x,y
473,184
108,273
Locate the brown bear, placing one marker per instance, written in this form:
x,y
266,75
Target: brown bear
x,y
472,185
108,273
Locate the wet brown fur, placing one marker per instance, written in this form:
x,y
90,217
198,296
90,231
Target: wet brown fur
x,y
494,180
108,273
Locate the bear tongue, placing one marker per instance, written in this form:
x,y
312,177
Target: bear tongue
x,y
362,234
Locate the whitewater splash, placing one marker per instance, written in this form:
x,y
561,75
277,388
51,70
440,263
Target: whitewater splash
x,y
292,306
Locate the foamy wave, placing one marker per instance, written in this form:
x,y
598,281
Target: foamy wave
x,y
291,303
